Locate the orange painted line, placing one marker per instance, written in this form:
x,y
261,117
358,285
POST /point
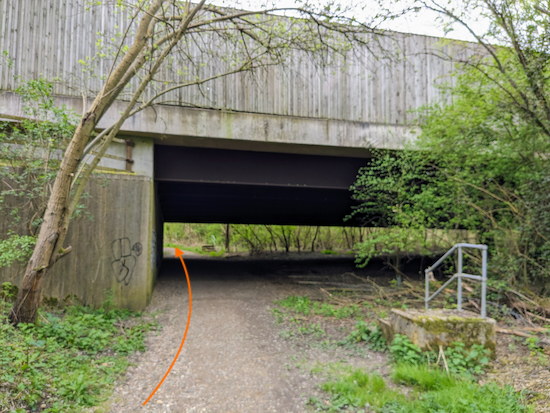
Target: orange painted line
x,y
179,254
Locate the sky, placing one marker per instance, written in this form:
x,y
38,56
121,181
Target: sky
x,y
424,22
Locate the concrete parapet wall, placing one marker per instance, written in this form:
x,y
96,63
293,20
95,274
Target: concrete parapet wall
x,y
173,125
114,246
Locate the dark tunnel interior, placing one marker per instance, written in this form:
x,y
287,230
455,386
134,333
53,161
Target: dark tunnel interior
x,y
205,185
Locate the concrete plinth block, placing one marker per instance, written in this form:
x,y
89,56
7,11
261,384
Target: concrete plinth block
x,y
432,328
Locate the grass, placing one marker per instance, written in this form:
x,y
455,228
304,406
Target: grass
x,y
432,390
463,397
69,360
358,388
423,377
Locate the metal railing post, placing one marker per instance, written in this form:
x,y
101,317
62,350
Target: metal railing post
x,y
484,283
427,273
459,275
459,280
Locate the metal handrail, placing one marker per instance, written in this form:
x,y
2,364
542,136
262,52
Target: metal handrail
x,y
459,275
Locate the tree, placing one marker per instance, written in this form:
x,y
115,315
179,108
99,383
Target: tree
x,y
501,116
159,35
396,194
481,160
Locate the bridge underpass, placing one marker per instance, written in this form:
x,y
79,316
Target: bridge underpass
x,y
280,148
205,185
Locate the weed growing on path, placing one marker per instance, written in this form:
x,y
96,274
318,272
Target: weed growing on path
x,y
68,360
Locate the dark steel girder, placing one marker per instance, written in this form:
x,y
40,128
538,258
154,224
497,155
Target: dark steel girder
x,y
215,185
184,164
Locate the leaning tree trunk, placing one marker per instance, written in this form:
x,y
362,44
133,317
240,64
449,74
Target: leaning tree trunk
x,y
47,249
49,245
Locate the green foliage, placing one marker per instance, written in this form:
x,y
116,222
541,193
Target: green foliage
x,y
312,329
405,351
466,361
423,377
8,291
30,154
369,334
532,344
488,164
297,303
475,167
16,248
357,388
69,360
278,314
464,397
478,164
460,360
432,391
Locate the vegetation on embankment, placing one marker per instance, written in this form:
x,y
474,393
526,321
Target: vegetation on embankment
x,y
477,166
67,361
410,380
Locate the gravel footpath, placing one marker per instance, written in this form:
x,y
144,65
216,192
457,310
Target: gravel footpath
x,y
233,359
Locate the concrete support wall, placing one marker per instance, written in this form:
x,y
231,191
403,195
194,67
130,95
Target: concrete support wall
x,y
115,243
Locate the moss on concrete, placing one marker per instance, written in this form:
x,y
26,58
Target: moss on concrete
x,y
429,328
464,329
447,325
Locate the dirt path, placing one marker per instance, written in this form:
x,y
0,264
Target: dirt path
x,y
233,359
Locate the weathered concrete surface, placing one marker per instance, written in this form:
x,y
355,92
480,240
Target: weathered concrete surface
x,y
114,246
432,328
173,125
142,155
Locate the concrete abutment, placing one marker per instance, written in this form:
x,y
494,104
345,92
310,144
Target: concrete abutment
x,y
116,239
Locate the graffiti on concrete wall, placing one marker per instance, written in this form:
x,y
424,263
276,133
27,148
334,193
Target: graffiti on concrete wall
x,y
125,258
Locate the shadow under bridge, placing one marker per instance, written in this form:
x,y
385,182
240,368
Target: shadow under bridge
x,y
205,185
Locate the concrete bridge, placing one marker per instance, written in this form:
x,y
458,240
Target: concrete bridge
x,y
279,147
